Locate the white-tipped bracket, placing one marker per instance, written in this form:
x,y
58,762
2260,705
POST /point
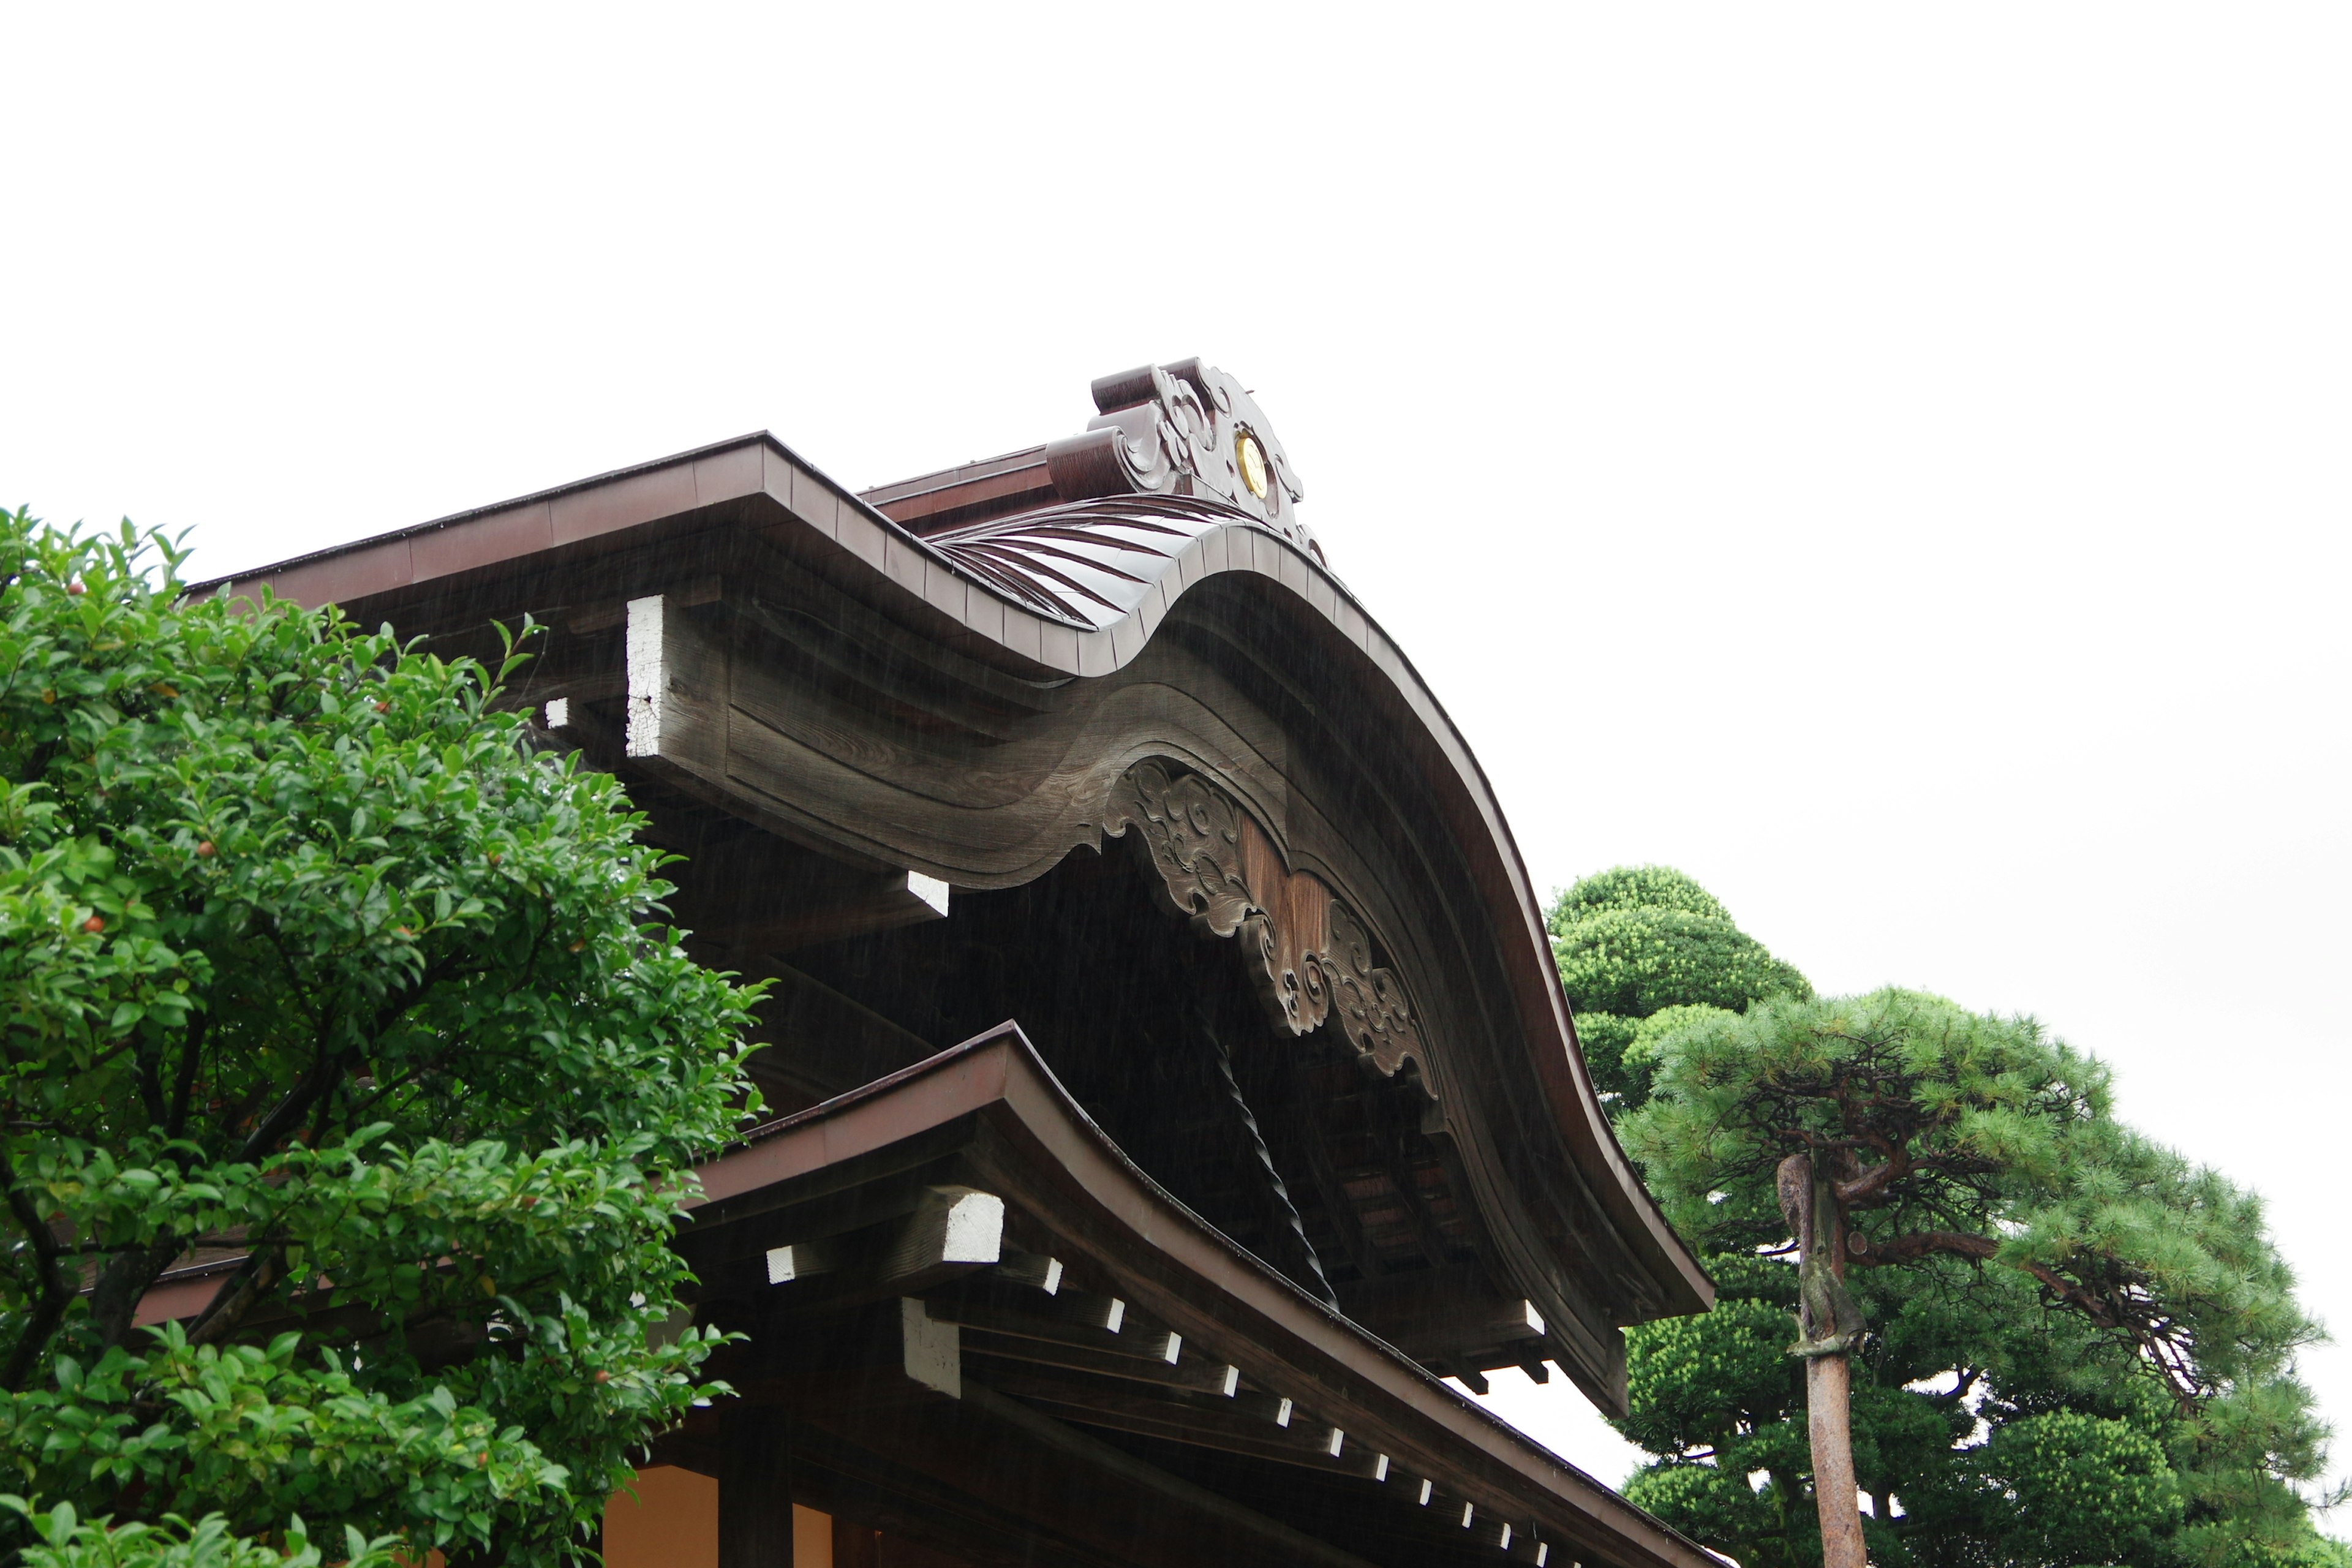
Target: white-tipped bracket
x,y
931,889
950,1226
1030,1268
801,1259
933,1349
676,679
647,659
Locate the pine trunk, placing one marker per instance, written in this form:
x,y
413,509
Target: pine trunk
x,y
1829,1402
1828,1321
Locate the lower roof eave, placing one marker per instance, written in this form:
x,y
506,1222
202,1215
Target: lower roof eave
x,y
1019,1132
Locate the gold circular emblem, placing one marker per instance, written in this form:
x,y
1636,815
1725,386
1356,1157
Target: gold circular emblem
x,y
1252,457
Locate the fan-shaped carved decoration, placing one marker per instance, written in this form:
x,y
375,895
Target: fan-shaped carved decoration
x,y
1312,960
1183,429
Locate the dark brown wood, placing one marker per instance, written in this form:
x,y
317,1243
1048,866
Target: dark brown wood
x,y
853,1544
750,644
1313,953
1455,1319
1063,1438
1023,1140
1018,481
755,1490
1195,1374
994,1482
1185,430
1311,957
820,1043
1263,1425
985,1459
1077,1320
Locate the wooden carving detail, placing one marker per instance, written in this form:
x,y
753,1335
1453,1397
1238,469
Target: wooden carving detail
x,y
1311,959
1183,429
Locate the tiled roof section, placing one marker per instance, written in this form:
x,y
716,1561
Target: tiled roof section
x,y
1088,563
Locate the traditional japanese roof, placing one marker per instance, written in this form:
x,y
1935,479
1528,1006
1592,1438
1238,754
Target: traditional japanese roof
x,y
1070,1284
1126,635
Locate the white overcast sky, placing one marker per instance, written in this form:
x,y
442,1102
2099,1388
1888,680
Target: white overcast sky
x,y
1889,461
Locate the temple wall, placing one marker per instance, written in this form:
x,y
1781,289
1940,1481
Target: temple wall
x,y
673,1523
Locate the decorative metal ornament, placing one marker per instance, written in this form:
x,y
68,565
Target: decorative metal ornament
x,y
1185,430
1252,457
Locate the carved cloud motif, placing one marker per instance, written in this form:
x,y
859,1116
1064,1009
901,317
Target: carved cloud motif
x,y
1179,430
1313,960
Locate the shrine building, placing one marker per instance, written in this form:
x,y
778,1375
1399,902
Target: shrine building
x,y
1168,1082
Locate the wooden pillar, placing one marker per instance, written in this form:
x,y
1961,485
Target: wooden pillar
x,y
854,1544
755,1490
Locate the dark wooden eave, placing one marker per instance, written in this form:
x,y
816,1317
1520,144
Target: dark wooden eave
x,y
1292,1409
756,484
963,696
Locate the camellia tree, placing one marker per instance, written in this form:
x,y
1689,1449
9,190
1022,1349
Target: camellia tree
x,y
315,970
1992,1419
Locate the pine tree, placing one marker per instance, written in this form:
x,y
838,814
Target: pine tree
x,y
1983,1403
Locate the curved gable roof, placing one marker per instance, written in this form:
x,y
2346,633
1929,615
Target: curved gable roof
x,y
1081,588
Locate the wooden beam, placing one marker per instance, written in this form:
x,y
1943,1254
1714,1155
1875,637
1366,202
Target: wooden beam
x,y
860,905
1068,1317
1170,1369
819,1042
932,1351
1255,1424
755,1492
951,1228
1150,1480
945,1231
856,1544
677,675
1452,1321
1426,1230
1308,1133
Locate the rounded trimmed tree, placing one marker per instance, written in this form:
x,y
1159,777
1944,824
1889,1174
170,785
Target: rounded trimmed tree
x,y
323,983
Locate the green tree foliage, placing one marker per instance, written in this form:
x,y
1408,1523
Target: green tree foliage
x,y
64,1539
1637,940
1991,1426
310,960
